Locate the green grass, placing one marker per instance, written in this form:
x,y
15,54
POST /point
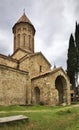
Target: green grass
x,y
42,118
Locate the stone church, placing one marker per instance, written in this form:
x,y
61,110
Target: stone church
x,y
26,76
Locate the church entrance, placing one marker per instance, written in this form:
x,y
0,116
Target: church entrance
x,y
37,95
60,84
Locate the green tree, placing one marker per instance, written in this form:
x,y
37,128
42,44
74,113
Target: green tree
x,y
77,35
77,46
71,61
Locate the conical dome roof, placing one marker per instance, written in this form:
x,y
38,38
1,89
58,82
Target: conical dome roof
x,y
23,19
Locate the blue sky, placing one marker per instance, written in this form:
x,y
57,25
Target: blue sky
x,y
54,21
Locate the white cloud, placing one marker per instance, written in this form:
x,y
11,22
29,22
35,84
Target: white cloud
x,y
6,46
54,20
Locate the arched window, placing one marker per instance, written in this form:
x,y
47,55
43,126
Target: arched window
x,y
29,41
24,29
32,43
19,29
18,37
14,42
24,39
37,95
40,68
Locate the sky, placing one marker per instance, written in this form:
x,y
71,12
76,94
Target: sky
x,y
54,21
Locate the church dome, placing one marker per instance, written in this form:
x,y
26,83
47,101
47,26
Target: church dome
x,y
24,32
24,19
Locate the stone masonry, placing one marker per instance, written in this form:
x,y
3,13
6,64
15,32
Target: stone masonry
x,y
26,76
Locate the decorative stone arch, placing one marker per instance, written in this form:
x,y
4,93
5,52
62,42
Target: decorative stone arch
x,y
61,86
37,95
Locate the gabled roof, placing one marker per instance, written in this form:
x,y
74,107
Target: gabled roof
x,y
50,72
20,53
35,54
8,58
26,51
13,69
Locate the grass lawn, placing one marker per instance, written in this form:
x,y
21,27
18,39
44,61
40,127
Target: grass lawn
x,y
42,117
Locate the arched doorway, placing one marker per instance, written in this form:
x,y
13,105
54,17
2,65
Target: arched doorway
x,y
37,95
60,84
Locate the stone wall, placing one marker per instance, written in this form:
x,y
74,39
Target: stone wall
x,y
23,37
19,54
5,60
48,91
14,86
35,65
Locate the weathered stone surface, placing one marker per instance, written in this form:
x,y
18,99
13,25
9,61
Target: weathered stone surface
x,y
13,86
8,61
35,64
19,54
13,118
24,36
26,77
47,86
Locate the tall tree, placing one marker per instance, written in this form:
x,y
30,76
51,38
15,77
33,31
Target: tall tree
x,y
71,61
77,35
77,45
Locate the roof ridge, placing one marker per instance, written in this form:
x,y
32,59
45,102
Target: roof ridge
x,y
49,72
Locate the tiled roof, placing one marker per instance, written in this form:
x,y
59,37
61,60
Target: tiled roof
x,y
24,19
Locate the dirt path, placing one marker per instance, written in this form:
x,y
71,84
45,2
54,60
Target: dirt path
x,y
23,111
29,111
